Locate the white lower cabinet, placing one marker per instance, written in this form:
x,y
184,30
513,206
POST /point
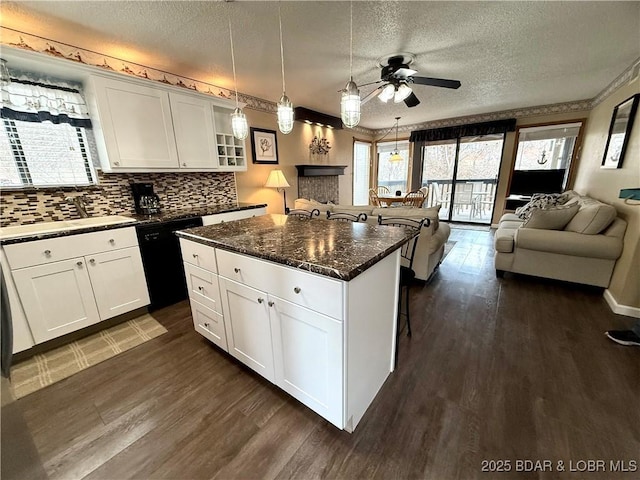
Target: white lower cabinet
x,y
57,298
248,326
118,281
61,293
307,353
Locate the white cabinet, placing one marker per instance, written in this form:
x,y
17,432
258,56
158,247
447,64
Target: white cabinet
x,y
248,326
146,127
57,298
135,124
195,135
230,216
68,283
118,281
307,349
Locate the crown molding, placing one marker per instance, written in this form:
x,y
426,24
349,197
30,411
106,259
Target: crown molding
x,y
625,77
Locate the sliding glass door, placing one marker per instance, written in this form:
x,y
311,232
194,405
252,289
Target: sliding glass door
x,y
462,175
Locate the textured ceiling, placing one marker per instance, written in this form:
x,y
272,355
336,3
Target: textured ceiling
x,y
506,54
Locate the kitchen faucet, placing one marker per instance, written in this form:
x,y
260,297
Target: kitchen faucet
x,y
80,205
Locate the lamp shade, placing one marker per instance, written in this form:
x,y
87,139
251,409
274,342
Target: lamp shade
x,y
387,93
276,179
395,157
403,92
350,105
285,115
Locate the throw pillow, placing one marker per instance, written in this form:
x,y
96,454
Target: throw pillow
x,y
592,218
552,218
539,200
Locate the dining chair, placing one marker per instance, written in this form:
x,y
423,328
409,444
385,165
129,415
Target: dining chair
x,y
300,213
425,190
464,197
407,253
382,190
346,217
415,198
373,198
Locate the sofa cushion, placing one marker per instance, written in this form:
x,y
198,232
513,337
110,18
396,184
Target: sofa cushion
x,y
510,217
352,209
552,218
304,204
592,218
503,239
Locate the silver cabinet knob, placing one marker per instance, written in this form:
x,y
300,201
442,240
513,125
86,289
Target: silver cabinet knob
x,y
116,163
47,253
271,304
200,287
260,300
92,261
206,325
184,164
297,289
112,241
79,264
194,255
237,270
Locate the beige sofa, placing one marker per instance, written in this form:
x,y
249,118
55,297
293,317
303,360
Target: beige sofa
x,y
578,241
430,248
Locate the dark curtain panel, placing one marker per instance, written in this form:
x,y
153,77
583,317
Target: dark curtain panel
x,y
44,117
458,131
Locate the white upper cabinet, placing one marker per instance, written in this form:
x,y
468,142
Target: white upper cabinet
x,y
195,135
152,128
134,126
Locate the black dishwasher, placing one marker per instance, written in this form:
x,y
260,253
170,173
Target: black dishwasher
x,y
162,260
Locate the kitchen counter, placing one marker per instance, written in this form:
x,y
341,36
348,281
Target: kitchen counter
x,y
164,216
336,249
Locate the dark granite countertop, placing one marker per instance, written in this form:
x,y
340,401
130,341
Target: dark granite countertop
x,y
164,216
335,249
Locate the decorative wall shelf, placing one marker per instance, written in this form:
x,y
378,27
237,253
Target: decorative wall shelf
x,y
320,170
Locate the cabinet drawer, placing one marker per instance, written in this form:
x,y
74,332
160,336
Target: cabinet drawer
x,y
199,255
315,292
209,324
203,287
50,250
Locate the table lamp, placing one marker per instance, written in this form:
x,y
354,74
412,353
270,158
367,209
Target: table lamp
x,y
277,180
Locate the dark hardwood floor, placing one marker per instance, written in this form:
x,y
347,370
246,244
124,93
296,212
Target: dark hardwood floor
x,y
509,369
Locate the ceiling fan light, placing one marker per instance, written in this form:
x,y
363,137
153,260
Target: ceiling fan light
x,y
350,105
285,114
395,157
239,124
387,93
403,92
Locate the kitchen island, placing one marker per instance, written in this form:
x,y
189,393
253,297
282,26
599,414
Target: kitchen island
x,y
309,304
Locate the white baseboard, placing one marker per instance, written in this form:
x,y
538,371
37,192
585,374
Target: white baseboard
x,y
620,309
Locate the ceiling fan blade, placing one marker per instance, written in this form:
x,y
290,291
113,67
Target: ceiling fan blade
x,y
411,100
436,82
371,95
370,83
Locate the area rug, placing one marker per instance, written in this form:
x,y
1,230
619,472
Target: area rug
x,y
50,367
447,248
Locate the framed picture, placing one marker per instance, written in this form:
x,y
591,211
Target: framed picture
x,y
619,132
264,146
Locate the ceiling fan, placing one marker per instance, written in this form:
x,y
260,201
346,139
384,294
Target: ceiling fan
x,y
396,78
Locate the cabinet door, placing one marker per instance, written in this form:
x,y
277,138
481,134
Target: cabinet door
x,y
56,297
118,280
307,351
136,124
246,320
195,135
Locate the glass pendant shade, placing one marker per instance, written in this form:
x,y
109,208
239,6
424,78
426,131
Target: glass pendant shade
x,y
395,157
5,78
350,105
403,92
387,93
239,124
285,114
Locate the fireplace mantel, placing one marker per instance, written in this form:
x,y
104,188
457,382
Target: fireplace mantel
x,y
320,170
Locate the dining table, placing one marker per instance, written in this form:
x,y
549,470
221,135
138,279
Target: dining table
x,y
386,200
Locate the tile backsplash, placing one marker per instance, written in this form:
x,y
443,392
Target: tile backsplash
x,y
113,195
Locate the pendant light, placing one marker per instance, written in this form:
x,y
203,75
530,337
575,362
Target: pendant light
x,y
238,120
5,78
285,108
350,102
395,156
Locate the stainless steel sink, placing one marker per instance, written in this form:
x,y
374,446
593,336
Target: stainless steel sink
x,y
49,227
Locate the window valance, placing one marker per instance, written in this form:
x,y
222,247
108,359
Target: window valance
x,y
29,101
469,130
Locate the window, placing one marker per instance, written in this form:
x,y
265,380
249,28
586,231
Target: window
x,y
393,175
43,140
361,172
44,154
